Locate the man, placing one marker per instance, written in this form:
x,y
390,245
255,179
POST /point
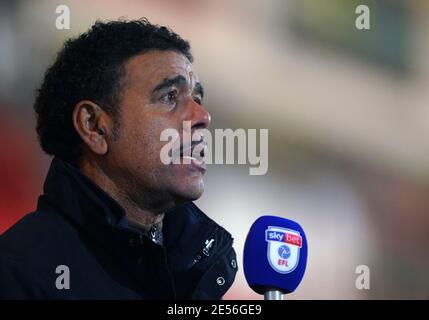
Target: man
x,y
114,222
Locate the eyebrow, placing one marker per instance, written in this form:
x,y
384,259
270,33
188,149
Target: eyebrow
x,y
168,82
178,80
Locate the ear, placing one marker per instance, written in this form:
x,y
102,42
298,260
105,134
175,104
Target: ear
x,y
92,124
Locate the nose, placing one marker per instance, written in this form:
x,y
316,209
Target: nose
x,y
199,116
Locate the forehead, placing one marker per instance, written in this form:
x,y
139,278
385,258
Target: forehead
x,y
150,68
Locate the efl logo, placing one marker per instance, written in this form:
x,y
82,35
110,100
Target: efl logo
x,y
283,248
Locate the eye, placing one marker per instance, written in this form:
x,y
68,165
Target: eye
x,y
170,98
198,99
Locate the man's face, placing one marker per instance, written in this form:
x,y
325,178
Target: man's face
x,y
160,91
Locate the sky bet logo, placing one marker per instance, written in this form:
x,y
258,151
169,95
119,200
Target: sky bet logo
x,y
286,237
283,248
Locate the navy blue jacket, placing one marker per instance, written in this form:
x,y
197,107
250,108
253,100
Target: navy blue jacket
x,y
79,226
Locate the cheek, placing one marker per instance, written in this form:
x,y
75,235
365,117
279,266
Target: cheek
x,y
142,139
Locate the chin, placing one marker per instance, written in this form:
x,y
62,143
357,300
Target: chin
x,y
190,192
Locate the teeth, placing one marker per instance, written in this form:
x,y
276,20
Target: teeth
x,y
191,158
187,154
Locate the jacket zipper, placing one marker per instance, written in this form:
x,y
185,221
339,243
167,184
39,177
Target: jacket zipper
x,y
205,251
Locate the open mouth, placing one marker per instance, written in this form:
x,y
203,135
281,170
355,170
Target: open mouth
x,y
196,151
193,153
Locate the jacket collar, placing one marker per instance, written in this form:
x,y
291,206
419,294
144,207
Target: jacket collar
x,y
97,214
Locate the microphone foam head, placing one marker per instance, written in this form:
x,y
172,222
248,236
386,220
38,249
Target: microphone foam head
x,y
275,255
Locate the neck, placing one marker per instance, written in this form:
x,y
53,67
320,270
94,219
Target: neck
x,y
137,215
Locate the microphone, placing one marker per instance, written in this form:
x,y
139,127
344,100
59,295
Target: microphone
x,y
275,256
